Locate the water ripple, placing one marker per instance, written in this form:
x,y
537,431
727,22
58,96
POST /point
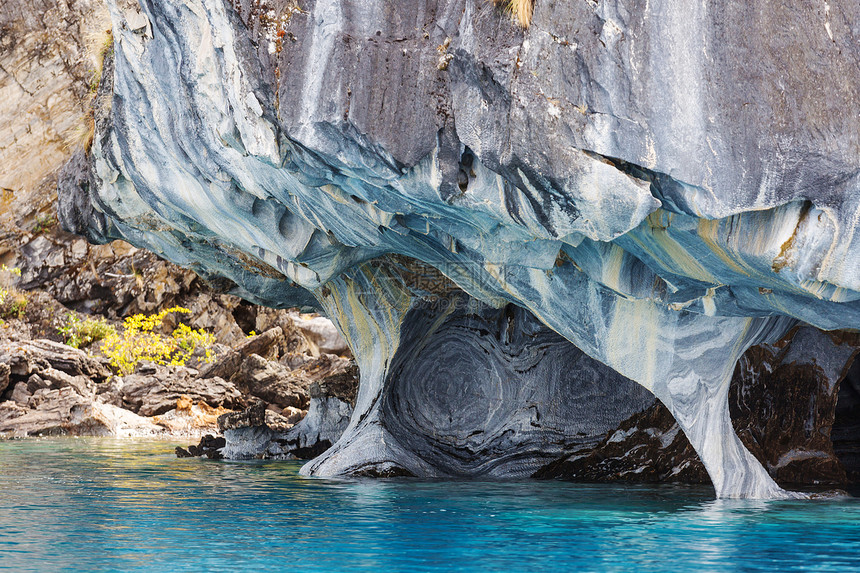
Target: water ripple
x,y
97,504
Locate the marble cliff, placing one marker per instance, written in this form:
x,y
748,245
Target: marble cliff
x,y
524,235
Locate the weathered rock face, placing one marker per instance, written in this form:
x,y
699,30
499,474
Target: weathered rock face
x,y
661,186
783,405
49,54
509,395
845,433
155,389
278,431
261,433
48,388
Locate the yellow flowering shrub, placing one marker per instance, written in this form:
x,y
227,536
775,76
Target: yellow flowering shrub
x,y
140,342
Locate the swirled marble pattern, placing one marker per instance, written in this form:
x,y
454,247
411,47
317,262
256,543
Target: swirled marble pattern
x,y
660,185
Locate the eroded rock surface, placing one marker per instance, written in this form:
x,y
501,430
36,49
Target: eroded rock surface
x,y
268,431
662,187
783,405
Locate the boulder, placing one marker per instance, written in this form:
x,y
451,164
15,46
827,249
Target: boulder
x,y
21,393
265,344
46,412
273,382
322,332
26,357
157,391
209,446
98,419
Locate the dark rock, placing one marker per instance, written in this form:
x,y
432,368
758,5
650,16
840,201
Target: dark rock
x,y
783,403
209,446
383,471
316,448
648,447
342,385
845,434
183,453
5,370
257,415
75,211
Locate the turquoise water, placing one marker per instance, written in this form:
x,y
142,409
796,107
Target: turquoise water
x,y
101,504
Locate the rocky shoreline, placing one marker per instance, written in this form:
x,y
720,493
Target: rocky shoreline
x,y
272,379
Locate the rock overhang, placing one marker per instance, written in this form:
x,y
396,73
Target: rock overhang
x,y
580,170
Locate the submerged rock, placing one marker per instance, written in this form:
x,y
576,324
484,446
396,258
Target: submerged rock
x,y
630,176
209,446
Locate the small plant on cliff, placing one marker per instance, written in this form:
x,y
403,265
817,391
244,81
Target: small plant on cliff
x,y
140,342
521,10
99,46
13,303
43,223
81,333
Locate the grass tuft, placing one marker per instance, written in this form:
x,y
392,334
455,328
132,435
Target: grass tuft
x,y
521,10
79,333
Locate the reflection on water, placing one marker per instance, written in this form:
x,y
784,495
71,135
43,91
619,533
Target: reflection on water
x,y
131,505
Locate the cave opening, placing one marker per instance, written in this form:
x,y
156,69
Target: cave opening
x,y
845,433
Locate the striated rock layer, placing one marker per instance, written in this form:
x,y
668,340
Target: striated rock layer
x,y
663,186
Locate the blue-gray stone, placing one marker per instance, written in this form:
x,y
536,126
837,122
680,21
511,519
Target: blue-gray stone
x,y
661,184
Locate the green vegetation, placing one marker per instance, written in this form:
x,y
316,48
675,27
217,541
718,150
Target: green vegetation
x,y
139,342
81,333
13,303
44,222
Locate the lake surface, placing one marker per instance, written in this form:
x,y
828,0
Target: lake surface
x,y
103,504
